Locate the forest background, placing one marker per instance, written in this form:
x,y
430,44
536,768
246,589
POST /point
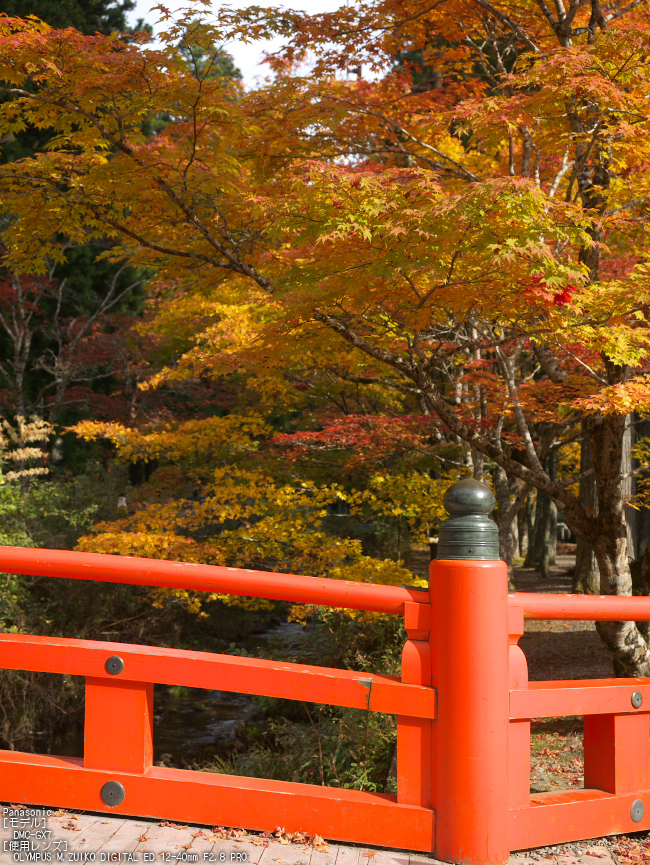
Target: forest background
x,y
267,328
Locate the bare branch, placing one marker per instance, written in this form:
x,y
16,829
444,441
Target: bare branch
x,y
509,23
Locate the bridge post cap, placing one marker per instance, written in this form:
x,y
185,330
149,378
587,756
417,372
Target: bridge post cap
x,y
468,532
468,497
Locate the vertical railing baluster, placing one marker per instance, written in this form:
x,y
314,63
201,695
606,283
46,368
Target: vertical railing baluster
x,y
118,731
617,752
414,734
519,730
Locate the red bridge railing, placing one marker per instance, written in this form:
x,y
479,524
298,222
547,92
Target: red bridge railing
x,y
463,706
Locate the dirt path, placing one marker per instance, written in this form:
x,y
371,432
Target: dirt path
x,y
560,650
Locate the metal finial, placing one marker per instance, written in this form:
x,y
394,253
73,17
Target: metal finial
x,y
468,533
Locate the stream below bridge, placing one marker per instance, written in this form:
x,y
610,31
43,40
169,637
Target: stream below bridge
x,y
188,721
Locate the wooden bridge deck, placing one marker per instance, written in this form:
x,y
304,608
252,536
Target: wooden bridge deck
x,y
72,837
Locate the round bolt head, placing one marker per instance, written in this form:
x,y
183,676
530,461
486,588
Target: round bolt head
x,y
114,665
637,811
637,699
113,794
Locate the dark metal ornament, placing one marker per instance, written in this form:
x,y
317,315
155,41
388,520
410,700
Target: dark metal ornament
x,y
468,533
112,793
114,665
637,699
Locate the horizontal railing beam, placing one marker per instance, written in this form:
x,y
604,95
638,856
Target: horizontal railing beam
x,y
226,800
579,697
208,578
570,815
217,672
602,608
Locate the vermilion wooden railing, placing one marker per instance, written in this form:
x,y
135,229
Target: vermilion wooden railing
x,y
463,707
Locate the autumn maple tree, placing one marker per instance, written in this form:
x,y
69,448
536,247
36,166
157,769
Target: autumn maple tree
x,y
471,223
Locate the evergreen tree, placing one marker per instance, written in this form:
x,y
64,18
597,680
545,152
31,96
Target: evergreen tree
x,y
88,16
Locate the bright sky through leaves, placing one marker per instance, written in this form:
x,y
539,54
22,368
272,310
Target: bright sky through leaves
x,y
248,57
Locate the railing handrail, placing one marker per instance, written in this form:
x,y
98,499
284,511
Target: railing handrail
x,y
296,588
540,605
208,578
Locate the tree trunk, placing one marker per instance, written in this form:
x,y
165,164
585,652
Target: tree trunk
x,y
515,535
542,529
535,516
522,520
546,526
505,519
641,525
641,586
548,546
478,461
586,577
606,433
629,487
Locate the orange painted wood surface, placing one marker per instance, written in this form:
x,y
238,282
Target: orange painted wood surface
x,y
617,752
469,636
204,797
554,818
540,605
519,730
515,618
118,729
208,578
417,620
578,697
519,763
414,734
220,672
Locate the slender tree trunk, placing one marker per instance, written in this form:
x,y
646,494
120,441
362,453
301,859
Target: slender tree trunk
x,y
639,524
536,515
546,526
522,519
542,529
553,547
641,586
531,507
549,539
629,487
586,577
505,519
478,461
515,535
642,517
547,549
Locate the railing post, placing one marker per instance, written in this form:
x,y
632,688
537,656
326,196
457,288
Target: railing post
x,y
469,646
